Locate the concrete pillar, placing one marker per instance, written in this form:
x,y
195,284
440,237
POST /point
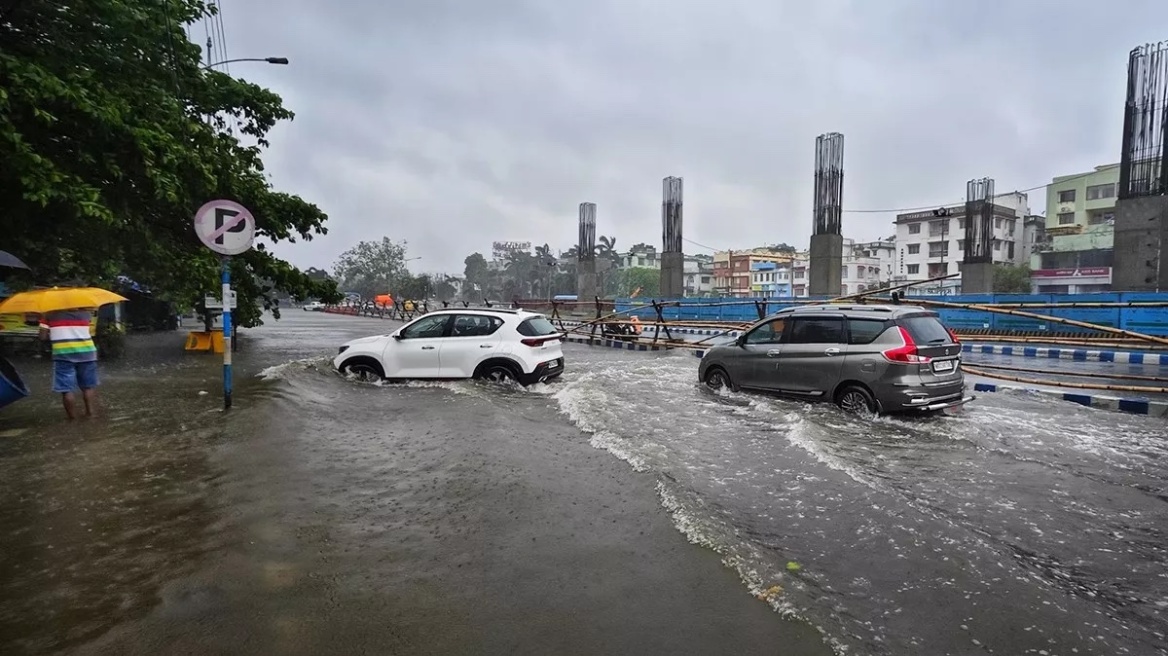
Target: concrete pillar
x,y
672,275
827,265
977,278
1140,230
586,281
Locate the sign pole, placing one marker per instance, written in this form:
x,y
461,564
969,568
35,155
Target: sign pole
x,y
227,228
226,276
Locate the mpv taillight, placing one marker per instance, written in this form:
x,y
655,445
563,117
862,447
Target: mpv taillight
x,y
906,353
538,341
953,335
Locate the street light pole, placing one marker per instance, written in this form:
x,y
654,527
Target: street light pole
x,y
282,61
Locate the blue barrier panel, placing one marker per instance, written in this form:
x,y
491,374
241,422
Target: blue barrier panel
x,y
1153,321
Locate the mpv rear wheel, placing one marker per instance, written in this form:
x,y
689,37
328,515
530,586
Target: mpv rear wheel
x,y
856,400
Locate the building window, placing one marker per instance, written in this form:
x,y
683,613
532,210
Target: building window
x,y
1067,196
845,270
997,224
1066,218
914,269
1010,226
1098,192
997,245
914,229
1010,250
914,249
938,269
961,224
961,245
1099,218
938,248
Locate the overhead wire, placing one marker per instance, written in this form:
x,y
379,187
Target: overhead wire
x,y
892,210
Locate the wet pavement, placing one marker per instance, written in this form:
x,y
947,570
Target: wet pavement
x,y
586,516
327,516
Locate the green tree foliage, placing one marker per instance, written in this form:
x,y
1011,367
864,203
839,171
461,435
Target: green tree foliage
x,y
1011,279
444,289
374,267
645,279
476,273
106,151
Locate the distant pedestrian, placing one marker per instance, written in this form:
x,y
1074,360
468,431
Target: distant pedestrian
x,y
74,357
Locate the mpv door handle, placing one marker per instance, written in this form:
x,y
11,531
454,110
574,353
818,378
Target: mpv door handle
x,y
773,353
831,351
484,346
427,348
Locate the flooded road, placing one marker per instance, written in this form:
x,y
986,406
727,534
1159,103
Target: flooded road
x,y
325,516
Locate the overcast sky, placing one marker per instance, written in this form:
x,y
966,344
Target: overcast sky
x,y
454,123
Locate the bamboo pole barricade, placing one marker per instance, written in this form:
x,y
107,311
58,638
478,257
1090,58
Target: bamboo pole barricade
x,y
1114,388
1072,374
1043,317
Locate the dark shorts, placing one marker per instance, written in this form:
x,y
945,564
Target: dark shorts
x,y
69,376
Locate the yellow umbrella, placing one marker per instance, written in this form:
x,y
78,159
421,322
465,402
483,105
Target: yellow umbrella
x,y
40,301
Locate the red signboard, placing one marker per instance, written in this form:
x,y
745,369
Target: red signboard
x,y
1069,273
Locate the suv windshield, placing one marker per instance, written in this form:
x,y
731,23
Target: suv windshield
x,y
537,327
926,329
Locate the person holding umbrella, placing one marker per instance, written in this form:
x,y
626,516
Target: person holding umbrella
x,y
65,319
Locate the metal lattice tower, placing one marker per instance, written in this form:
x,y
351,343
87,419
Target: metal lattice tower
x,y
829,184
586,246
979,221
671,214
1145,123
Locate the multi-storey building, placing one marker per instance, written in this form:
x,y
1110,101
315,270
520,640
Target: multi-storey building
x,y
699,275
866,266
770,280
640,256
931,244
732,269
1077,253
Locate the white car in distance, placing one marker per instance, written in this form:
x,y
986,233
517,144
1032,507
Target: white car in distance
x,y
491,344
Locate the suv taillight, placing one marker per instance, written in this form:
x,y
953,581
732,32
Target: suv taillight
x,y
953,335
906,353
538,341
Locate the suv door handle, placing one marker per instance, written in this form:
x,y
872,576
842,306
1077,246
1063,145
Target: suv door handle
x,y
831,351
485,345
427,348
773,352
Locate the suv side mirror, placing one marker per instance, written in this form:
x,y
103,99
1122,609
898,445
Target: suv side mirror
x,y
741,341
398,336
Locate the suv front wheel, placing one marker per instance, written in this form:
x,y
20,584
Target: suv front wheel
x,y
717,378
856,400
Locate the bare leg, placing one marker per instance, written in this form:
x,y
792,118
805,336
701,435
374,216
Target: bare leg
x,y
90,398
67,400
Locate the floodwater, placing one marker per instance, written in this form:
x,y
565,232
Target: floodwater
x,y
326,516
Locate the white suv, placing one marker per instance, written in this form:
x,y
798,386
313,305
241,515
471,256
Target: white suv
x,y
467,343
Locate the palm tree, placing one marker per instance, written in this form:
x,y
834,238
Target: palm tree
x,y
606,247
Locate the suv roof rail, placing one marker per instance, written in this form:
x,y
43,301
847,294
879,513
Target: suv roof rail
x,y
480,307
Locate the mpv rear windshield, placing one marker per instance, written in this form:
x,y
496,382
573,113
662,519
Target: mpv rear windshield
x,y
926,329
537,327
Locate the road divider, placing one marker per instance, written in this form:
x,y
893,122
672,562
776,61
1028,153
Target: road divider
x,y
1114,403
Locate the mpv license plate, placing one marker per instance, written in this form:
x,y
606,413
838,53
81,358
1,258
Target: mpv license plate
x,y
943,365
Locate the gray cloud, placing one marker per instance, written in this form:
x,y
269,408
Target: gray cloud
x,y
452,124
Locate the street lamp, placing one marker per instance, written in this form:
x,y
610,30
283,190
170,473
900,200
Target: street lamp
x,y
282,61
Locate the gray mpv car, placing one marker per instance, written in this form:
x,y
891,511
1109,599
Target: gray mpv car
x,y
865,358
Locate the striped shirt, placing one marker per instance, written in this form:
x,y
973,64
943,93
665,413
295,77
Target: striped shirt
x,y
69,333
